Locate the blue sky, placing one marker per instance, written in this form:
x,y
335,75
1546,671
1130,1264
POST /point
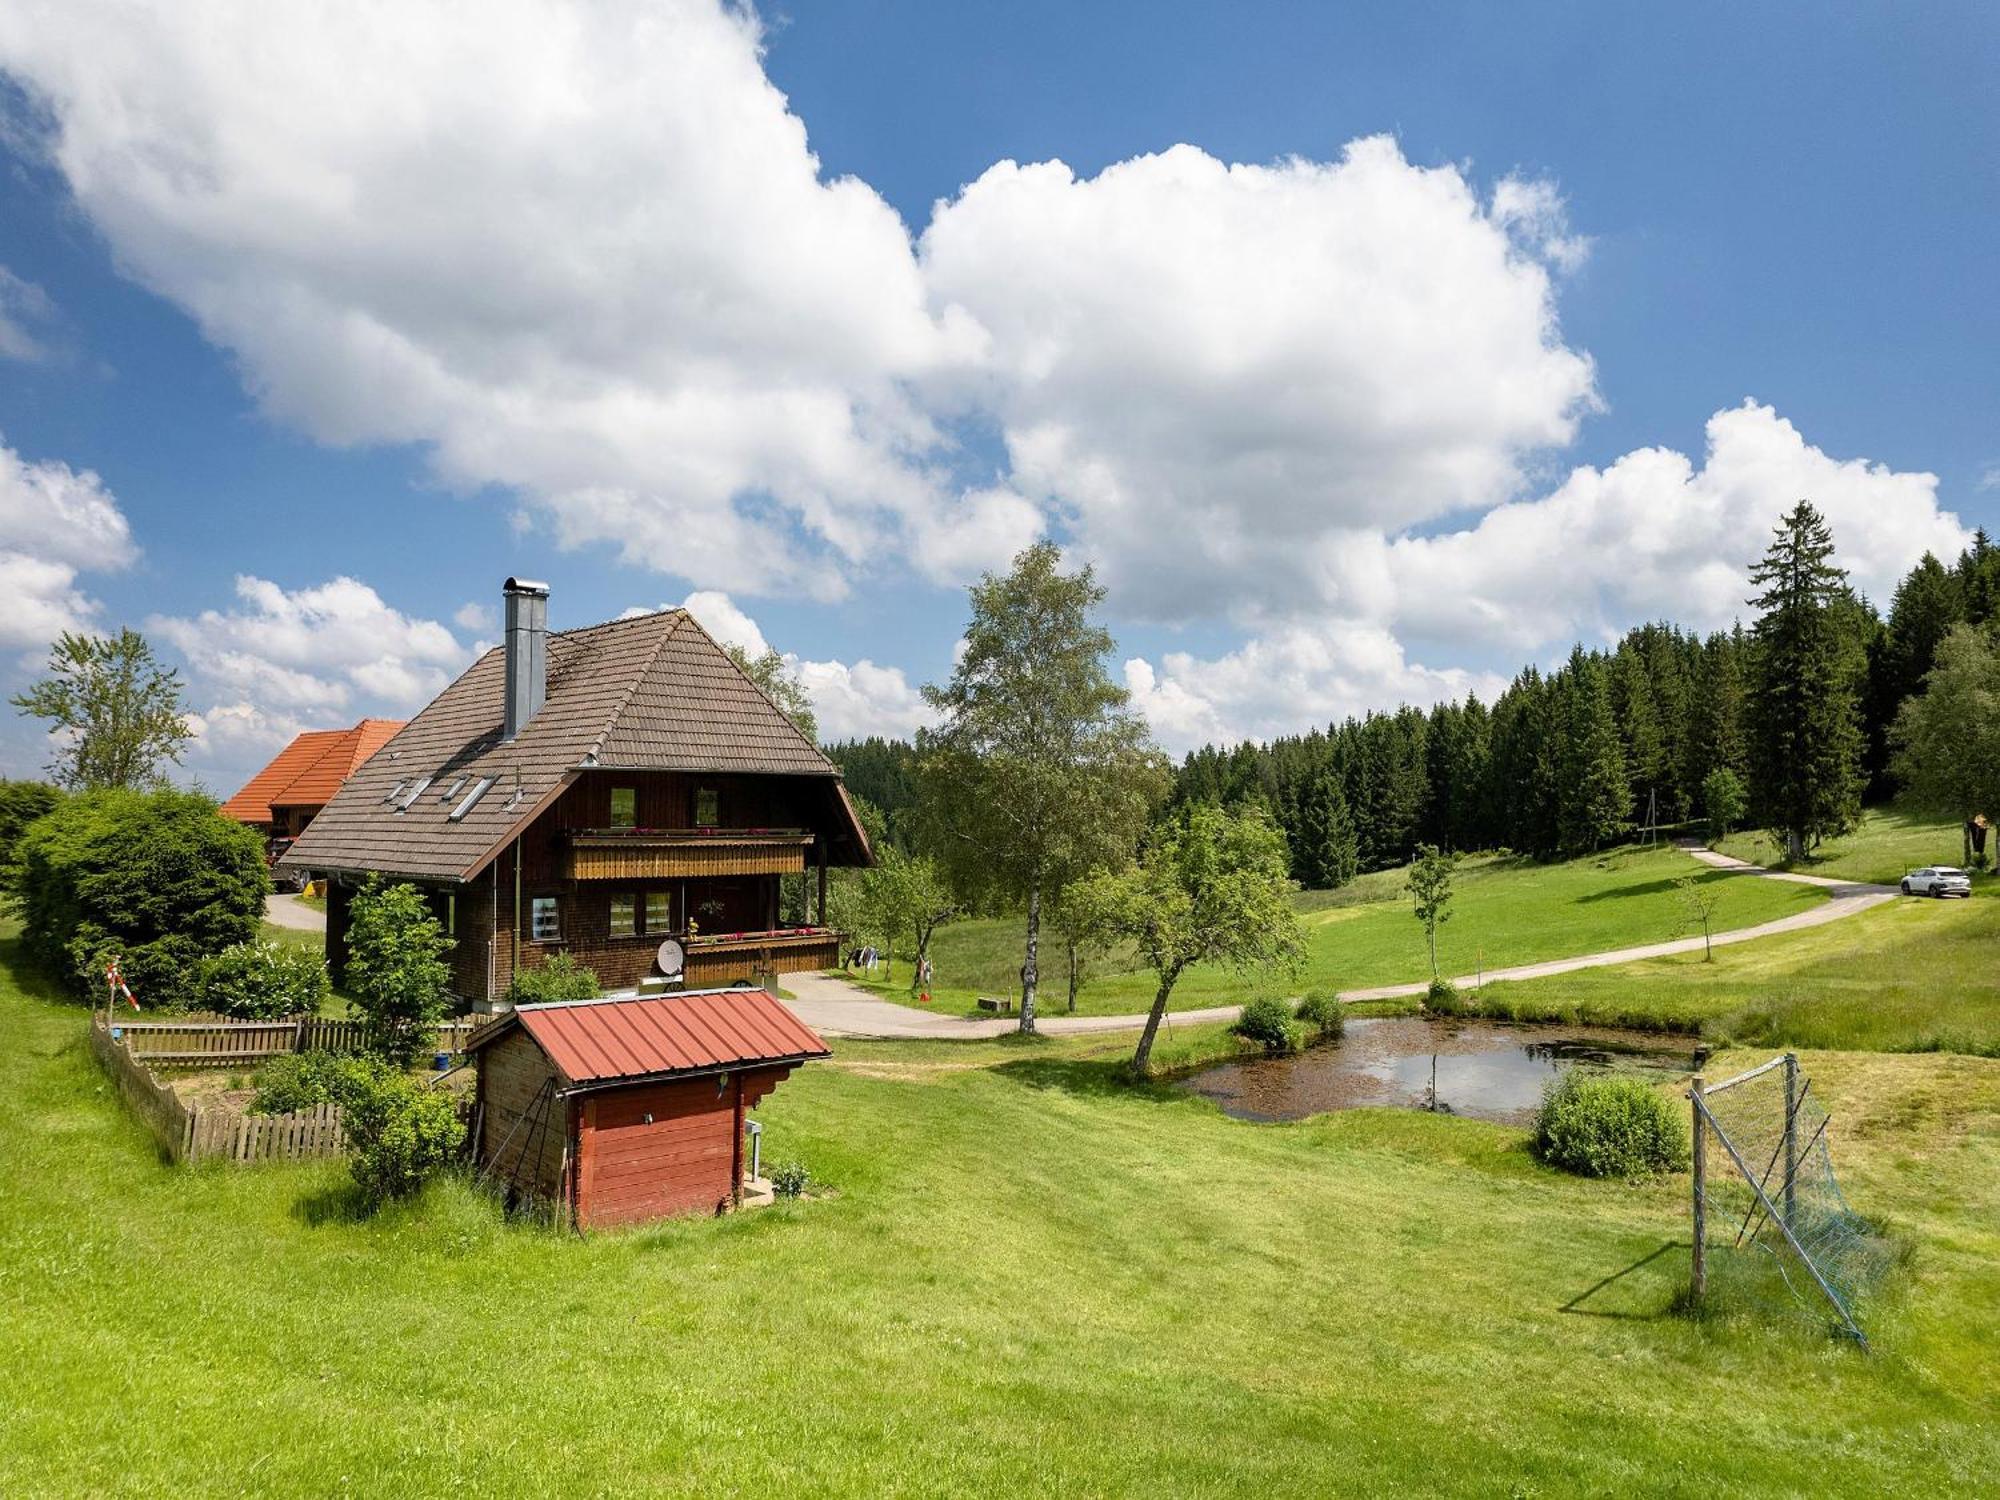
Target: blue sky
x,y
1321,427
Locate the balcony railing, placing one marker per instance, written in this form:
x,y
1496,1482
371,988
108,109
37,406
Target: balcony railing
x,y
651,853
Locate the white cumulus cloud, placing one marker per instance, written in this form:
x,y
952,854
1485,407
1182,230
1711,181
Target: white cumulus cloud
x,y
1215,371
325,652
55,523
584,251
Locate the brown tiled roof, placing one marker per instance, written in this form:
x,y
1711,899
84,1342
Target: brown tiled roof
x,y
650,693
308,771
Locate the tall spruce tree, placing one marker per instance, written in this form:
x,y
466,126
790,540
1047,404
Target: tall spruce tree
x,y
1806,737
1595,793
1325,851
1639,720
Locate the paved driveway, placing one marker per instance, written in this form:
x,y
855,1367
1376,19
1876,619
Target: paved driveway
x,y
833,1007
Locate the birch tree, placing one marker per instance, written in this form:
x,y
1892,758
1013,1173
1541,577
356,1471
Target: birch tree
x,y
1038,770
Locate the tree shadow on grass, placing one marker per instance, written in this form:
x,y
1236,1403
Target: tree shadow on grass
x,y
1087,1078
1638,1302
1703,876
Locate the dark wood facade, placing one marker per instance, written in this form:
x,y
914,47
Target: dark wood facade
x,y
721,889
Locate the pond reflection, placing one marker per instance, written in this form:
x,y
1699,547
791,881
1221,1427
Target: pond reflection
x,y
1488,1070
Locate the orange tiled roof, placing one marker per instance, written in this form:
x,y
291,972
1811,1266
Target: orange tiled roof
x,y
308,771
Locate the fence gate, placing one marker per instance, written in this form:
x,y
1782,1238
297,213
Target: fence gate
x,y
1765,1194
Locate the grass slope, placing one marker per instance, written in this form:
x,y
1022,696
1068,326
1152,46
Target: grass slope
x,y
1909,975
1882,849
1507,911
1028,1280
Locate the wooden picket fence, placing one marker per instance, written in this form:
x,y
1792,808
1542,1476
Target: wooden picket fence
x,y
197,1133
221,1042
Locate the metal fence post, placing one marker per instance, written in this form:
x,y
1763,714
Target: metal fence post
x,y
1700,1277
1791,1137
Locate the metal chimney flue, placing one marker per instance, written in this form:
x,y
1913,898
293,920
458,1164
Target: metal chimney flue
x,y
527,653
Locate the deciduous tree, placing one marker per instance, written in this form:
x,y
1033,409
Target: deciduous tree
x,y
1947,738
1430,894
1038,769
396,969
114,712
1210,886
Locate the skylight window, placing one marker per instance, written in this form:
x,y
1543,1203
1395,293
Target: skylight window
x,y
405,803
478,790
395,791
457,783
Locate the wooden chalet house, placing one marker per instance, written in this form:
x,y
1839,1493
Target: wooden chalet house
x,y
623,793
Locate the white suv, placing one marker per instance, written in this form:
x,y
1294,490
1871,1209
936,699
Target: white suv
x,y
1937,880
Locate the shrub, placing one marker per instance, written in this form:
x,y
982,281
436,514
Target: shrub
x,y
561,978
161,880
402,1134
304,1080
396,969
1322,1012
261,981
1269,1021
790,1178
21,803
1442,995
1609,1127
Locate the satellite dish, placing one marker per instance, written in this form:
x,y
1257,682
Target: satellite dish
x,y
671,959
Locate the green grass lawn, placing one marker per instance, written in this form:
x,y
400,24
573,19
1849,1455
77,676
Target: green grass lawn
x,y
1908,975
1507,911
1028,1279
1886,845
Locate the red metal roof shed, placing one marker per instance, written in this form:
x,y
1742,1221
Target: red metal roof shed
x,y
626,1109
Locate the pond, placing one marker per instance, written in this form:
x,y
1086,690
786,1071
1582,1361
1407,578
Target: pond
x,y
1488,1070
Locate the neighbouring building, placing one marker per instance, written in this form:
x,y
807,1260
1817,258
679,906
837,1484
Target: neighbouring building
x,y
622,1110
623,793
280,800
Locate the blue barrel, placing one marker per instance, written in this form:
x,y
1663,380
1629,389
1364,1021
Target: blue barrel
x,y
442,1062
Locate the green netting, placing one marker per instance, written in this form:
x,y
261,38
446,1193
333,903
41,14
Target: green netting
x,y
1777,1228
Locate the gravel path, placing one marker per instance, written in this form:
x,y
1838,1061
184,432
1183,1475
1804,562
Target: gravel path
x,y
833,1007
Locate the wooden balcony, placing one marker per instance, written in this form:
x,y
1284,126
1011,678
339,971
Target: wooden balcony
x,y
644,854
724,958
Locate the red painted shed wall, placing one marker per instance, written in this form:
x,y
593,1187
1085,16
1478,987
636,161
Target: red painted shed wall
x,y
683,1160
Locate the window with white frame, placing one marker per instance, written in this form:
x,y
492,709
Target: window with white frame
x,y
545,920
625,915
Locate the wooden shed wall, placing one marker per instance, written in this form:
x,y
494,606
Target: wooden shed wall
x,y
520,1139
650,1151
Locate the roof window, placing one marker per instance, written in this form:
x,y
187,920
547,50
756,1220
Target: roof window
x,y
478,790
408,800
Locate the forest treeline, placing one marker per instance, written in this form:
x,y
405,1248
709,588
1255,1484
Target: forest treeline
x,y
1567,760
